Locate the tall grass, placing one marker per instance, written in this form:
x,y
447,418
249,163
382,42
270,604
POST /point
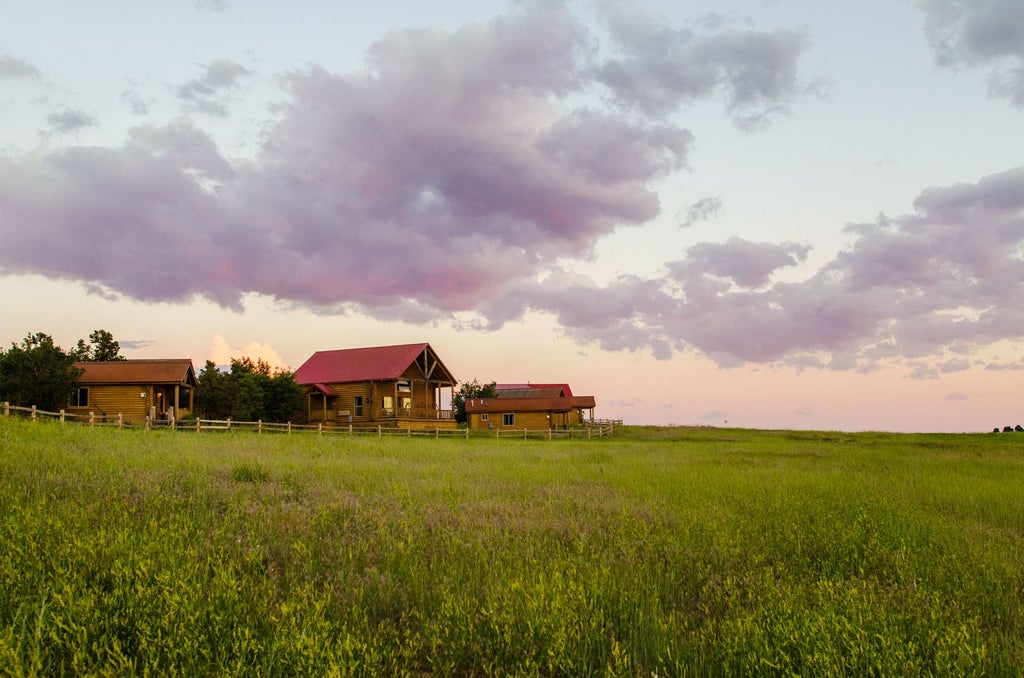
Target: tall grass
x,y
658,551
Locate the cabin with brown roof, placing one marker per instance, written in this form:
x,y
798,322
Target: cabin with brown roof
x,y
530,406
135,388
392,386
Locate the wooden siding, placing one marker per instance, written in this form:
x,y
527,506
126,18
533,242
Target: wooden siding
x,y
421,407
133,401
529,420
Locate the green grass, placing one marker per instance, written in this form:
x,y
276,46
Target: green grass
x,y
655,552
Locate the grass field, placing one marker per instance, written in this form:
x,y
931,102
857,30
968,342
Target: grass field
x,y
655,552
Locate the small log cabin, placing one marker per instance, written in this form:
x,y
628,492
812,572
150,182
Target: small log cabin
x,y
530,406
393,386
135,388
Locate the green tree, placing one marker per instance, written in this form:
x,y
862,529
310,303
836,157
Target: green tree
x,y
471,389
250,391
212,397
37,372
101,347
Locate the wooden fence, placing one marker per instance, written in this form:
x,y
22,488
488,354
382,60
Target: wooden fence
x,y
600,428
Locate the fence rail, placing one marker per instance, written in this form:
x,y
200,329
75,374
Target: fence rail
x,y
598,428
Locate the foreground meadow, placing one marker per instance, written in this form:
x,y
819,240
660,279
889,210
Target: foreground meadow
x,y
656,552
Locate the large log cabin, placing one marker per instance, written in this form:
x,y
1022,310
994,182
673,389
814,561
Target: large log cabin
x,y
392,386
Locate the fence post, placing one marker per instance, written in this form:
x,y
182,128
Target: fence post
x,y
588,432
149,422
197,424
62,416
92,418
120,420
7,408
437,433
174,422
229,423
409,431
378,431
289,428
467,431
549,434
524,433
320,429
350,430
33,413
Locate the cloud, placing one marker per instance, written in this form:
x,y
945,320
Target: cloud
x,y
70,121
745,263
660,67
17,69
222,353
136,103
209,94
980,33
957,396
927,288
702,210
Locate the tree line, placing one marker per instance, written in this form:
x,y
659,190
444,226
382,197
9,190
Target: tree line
x,y
39,372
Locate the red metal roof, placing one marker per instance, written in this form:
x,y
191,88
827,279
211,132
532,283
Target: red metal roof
x,y
375,363
170,371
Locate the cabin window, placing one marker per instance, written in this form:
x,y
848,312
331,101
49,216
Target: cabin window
x,y
484,417
388,405
405,386
80,398
508,419
357,406
405,403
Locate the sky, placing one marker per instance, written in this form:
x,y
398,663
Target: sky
x,y
773,214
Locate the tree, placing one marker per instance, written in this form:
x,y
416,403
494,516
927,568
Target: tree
x,y
38,372
249,391
101,347
471,389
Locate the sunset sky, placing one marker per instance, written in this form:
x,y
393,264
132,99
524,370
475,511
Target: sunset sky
x,y
762,213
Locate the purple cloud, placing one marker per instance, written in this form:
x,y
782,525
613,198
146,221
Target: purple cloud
x,y
980,33
661,67
208,93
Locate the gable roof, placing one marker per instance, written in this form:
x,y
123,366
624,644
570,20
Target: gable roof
x,y
374,363
529,404
529,393
564,388
168,371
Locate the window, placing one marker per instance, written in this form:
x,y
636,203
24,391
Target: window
x,y
388,405
508,420
405,386
405,404
80,398
484,417
357,406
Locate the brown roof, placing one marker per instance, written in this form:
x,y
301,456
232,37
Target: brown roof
x,y
376,363
529,404
170,371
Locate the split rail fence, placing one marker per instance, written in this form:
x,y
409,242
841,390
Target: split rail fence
x,y
598,428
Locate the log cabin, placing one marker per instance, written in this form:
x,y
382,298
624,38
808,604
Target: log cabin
x,y
530,406
135,389
392,386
